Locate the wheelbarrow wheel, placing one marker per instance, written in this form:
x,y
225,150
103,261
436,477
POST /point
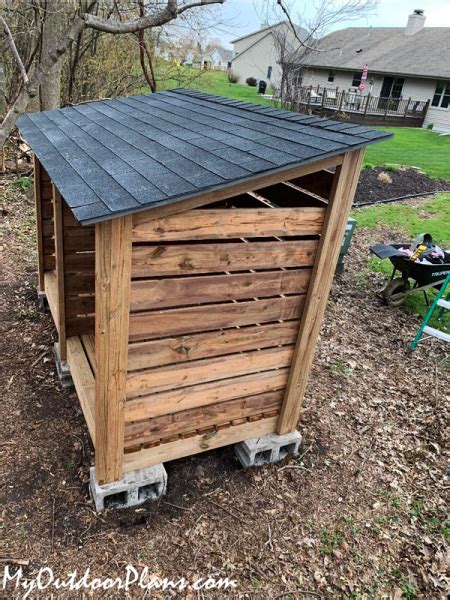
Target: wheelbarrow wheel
x,y
396,286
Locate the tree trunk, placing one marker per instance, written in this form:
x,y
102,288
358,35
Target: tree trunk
x,y
52,28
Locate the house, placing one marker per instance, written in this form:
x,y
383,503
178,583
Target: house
x,y
257,54
219,58
398,62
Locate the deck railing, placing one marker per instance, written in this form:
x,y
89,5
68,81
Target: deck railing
x,y
325,100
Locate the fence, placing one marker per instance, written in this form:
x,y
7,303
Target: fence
x,y
355,106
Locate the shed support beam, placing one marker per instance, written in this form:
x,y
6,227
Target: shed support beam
x,y
112,304
39,233
59,268
341,199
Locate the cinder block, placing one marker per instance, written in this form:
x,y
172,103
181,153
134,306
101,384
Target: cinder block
x,y
62,368
134,489
42,300
268,449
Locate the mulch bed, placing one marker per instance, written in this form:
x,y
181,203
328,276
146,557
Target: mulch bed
x,y
360,515
404,182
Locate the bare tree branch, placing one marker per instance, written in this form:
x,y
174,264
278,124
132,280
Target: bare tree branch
x,y
87,20
13,48
170,12
292,26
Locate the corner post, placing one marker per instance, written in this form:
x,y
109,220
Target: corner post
x,y
59,267
112,306
39,232
341,198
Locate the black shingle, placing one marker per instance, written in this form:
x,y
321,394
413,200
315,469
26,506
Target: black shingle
x,y
118,156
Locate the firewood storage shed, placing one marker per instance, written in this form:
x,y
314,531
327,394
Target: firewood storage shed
x,y
187,245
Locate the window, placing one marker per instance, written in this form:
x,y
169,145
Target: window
x,y
356,79
269,72
330,76
441,96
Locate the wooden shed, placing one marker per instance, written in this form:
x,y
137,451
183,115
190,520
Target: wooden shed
x,y
187,244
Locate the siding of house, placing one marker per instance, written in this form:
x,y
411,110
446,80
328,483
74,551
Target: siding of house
x,y
243,44
256,59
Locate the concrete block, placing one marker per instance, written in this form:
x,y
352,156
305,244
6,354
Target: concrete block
x,y
42,300
134,489
62,368
268,449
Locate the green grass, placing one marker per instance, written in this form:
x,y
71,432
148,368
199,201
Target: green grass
x,y
433,217
210,82
413,147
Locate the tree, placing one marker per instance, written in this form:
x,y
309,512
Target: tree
x,y
157,14
295,44
52,27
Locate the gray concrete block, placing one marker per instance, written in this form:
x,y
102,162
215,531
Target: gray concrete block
x,y
42,300
268,449
134,489
62,368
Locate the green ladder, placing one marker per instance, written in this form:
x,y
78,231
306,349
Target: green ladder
x,y
444,305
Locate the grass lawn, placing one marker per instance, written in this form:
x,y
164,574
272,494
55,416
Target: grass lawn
x,y
210,82
433,217
413,147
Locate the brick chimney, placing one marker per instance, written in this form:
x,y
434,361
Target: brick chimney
x,y
416,21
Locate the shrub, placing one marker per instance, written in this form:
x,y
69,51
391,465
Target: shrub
x,y
430,125
251,81
384,177
233,77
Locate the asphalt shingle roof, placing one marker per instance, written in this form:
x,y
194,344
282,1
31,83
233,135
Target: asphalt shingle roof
x,y
386,50
120,156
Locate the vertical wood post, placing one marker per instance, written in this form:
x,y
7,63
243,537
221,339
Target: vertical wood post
x,y
341,198
59,267
39,233
112,307
406,107
367,105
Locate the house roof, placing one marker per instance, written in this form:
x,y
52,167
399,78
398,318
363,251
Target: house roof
x,y
268,28
115,157
386,50
225,54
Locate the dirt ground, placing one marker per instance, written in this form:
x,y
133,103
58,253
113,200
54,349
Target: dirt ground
x,y
361,514
403,181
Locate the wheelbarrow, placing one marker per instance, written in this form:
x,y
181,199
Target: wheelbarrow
x,y
424,276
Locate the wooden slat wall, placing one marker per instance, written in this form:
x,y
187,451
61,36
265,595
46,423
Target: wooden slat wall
x,y
216,298
79,259
48,227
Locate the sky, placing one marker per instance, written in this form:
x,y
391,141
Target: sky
x,y
244,16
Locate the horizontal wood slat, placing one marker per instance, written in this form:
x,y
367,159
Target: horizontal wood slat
x,y
197,444
215,316
208,369
159,293
48,228
190,420
210,258
81,284
79,239
47,208
230,223
80,325
80,305
204,394
49,262
142,355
